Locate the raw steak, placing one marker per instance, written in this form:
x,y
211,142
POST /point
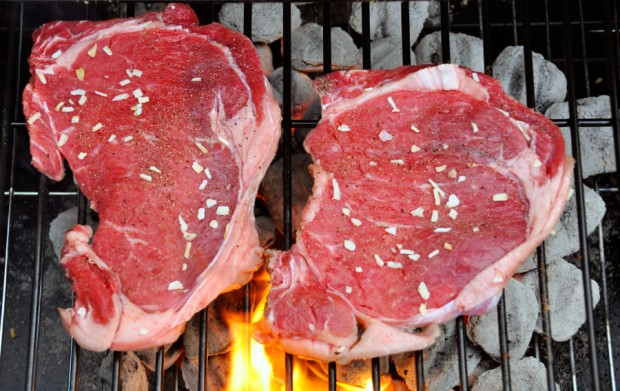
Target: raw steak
x,y
431,187
168,127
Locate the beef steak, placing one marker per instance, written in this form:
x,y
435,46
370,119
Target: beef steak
x,y
431,187
168,127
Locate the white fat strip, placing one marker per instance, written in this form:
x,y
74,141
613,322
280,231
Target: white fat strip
x,y
523,127
175,285
423,291
441,77
453,201
62,140
183,224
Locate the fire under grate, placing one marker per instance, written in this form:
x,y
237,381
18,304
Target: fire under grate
x,y
582,39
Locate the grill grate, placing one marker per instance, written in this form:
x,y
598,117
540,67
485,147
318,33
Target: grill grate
x,y
559,29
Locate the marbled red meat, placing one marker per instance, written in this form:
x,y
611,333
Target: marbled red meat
x,y
431,187
168,127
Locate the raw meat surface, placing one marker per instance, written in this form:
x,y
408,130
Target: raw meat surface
x,y
431,187
168,127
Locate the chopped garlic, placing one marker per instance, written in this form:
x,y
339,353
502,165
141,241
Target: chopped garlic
x,y
144,331
196,79
107,50
384,135
82,155
434,216
432,254
57,54
344,128
197,167
59,105
112,138
358,269
394,265
82,100
346,211
81,311
80,74
453,213
415,148
537,163
379,260
188,248
440,168
391,230
213,224
349,245
222,211
453,201
203,185
75,119
208,173
356,222
41,76
398,161
442,230
93,51
120,97
423,291
34,117
500,197
98,126
223,141
155,169
447,246
127,139
422,308
418,212
175,285
211,202
348,289
67,109
146,177
391,102
201,214
474,127
202,148
62,140
415,129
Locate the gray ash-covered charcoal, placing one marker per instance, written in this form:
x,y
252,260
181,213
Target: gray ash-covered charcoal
x,y
521,316
266,20
597,143
133,373
307,48
566,300
217,375
302,189
385,18
172,352
565,241
266,57
386,53
465,50
266,231
302,91
527,374
549,81
441,370
355,373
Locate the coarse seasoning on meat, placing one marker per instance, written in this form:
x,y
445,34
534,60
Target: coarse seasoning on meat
x,y
168,128
431,187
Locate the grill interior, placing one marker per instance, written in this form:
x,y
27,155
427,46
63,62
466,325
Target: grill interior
x,y
581,39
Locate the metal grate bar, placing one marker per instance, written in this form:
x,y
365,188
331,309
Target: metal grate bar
x,y
419,370
445,30
612,69
460,326
406,37
581,213
605,300
462,353
376,374
584,53
5,180
540,251
287,151
327,37
159,369
37,286
117,373
503,342
366,35
203,362
331,376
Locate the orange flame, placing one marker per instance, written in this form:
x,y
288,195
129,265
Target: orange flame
x,y
256,369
